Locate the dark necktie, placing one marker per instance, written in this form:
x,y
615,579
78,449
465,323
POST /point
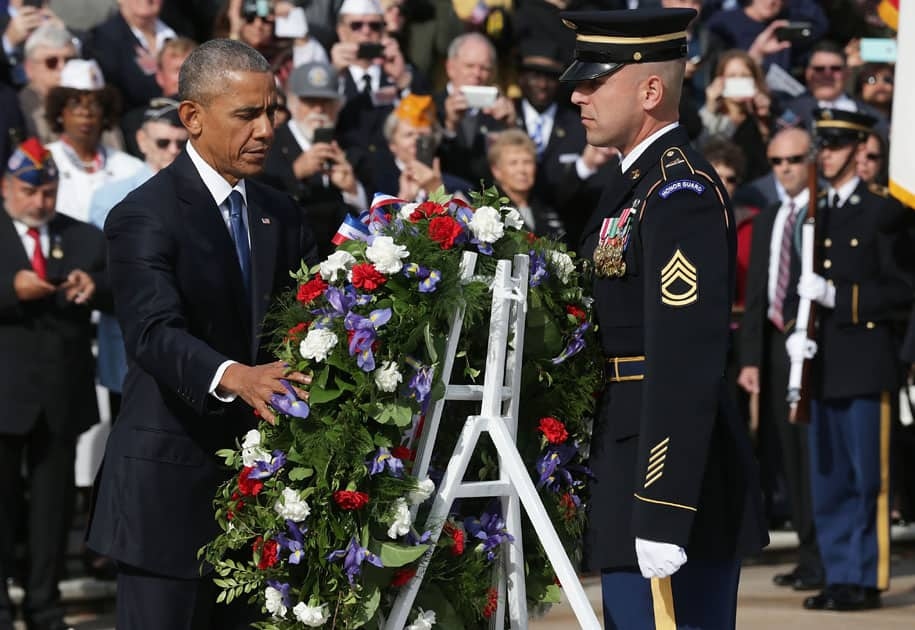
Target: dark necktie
x,y
834,200
367,84
39,264
240,236
776,312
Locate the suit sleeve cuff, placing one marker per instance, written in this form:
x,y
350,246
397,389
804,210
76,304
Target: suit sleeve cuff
x,y
214,384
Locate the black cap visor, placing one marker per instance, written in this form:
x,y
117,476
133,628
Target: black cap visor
x,y
580,70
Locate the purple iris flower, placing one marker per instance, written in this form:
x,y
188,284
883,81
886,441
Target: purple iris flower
x,y
428,278
364,335
283,588
295,543
264,469
538,271
421,383
555,469
413,540
383,459
490,528
289,402
353,557
575,345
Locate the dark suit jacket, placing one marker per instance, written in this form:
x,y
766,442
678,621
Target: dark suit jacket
x,y
46,356
464,154
181,304
386,176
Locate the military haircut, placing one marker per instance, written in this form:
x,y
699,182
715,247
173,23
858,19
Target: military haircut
x,y
206,69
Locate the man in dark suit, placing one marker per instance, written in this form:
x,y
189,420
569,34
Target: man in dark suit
x,y
675,504
52,273
771,277
196,255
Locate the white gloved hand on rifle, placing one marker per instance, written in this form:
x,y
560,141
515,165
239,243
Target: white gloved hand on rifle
x,y
799,347
814,287
658,559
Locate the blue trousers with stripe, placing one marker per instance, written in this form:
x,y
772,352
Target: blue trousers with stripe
x,y
700,596
850,484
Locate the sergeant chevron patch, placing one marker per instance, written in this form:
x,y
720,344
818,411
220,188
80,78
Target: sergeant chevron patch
x,y
679,281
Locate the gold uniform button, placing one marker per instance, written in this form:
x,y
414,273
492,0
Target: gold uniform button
x,y
637,55
870,325
827,242
854,242
827,264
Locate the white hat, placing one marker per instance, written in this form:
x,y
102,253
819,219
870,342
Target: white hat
x,y
361,7
82,74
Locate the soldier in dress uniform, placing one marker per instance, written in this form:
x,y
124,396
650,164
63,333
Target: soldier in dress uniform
x,y
676,503
863,291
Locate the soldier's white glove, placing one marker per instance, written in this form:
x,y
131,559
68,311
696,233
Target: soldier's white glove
x,y
658,559
799,347
814,287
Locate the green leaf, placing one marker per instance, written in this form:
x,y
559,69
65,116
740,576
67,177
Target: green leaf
x,y
398,415
552,595
319,396
299,473
430,345
321,378
394,555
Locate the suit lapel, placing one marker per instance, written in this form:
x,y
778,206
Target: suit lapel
x,y
8,234
57,251
263,230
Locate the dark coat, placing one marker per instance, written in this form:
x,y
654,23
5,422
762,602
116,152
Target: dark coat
x,y
181,304
464,154
47,344
386,176
671,459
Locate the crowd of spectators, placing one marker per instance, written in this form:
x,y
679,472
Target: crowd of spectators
x,y
406,96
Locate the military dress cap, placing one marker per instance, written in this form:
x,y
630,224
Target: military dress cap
x,y
162,109
32,163
539,55
607,40
314,80
839,125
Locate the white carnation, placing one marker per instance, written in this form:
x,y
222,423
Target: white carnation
x,y
251,451
317,344
386,255
387,377
424,620
512,217
486,224
336,264
423,491
291,506
402,520
562,265
311,616
275,605
407,209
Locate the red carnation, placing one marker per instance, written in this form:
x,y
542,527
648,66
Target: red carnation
x,y
297,330
553,430
492,602
365,276
311,289
403,576
350,499
426,210
403,453
567,504
269,552
249,487
576,312
443,230
457,539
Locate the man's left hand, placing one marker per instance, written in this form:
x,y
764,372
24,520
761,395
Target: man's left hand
x,y
814,287
78,287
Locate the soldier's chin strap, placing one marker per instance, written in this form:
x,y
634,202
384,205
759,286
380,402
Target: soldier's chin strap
x,y
851,156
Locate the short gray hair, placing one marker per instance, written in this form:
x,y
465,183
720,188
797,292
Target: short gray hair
x,y
205,70
48,36
454,48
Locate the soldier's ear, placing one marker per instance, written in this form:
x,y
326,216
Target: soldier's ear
x,y
653,92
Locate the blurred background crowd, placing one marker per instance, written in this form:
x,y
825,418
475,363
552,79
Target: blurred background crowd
x,y
393,96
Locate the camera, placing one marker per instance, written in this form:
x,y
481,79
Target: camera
x,y
256,8
369,50
425,149
794,32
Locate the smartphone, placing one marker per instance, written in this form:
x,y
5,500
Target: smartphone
x,y
324,134
794,32
251,9
370,50
878,50
425,149
38,4
739,87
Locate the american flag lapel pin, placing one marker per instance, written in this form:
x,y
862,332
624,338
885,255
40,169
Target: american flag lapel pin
x,y
265,220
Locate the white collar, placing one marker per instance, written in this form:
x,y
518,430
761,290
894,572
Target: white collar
x,y
22,228
215,183
531,115
300,138
800,199
163,33
843,102
374,71
639,149
845,190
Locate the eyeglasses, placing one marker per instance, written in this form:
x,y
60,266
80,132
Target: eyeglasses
x,y
873,157
76,102
163,143
790,159
250,17
375,26
52,63
827,69
873,78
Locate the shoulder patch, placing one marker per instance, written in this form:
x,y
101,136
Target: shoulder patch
x,y
681,184
674,160
877,189
679,281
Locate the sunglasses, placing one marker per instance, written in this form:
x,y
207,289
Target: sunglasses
x,y
250,17
827,69
163,143
52,63
873,157
87,103
873,78
790,159
730,179
375,26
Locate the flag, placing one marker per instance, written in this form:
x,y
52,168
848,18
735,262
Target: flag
x,y
351,229
902,135
888,10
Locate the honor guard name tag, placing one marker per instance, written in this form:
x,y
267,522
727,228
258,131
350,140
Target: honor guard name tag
x,y
612,244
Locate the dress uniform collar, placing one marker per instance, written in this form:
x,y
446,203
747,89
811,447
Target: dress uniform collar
x,y
844,191
636,152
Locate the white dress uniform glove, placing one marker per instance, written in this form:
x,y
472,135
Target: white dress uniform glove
x,y
814,287
799,347
658,559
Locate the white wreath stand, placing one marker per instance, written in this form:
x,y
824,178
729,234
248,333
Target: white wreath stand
x,y
499,397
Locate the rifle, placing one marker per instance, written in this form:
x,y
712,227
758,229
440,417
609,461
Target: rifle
x,y
801,372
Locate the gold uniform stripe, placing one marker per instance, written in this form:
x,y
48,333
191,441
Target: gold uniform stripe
x,y
610,39
854,304
653,467
662,600
660,454
657,446
840,124
650,481
883,499
667,503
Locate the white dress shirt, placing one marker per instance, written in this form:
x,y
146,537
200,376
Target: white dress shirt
x,y
374,72
844,191
775,240
639,149
29,243
163,33
844,102
358,200
220,189
547,118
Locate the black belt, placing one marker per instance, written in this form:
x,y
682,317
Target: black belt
x,y
625,369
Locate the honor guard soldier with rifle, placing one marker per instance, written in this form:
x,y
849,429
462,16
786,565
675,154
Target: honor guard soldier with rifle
x,y
862,289
676,501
